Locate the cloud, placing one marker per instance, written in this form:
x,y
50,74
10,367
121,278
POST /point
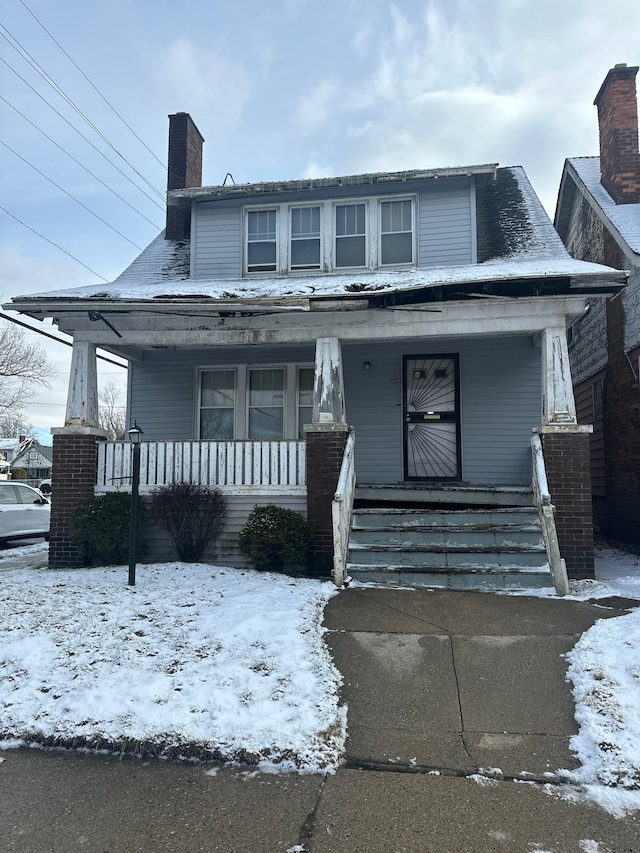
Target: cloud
x,y
203,82
317,106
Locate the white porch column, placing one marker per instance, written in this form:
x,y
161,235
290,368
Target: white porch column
x,y
558,405
82,399
328,388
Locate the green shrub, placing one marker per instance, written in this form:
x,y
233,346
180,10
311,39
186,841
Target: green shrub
x,y
18,474
193,515
274,538
101,526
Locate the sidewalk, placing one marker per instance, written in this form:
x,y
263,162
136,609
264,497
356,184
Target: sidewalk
x,y
459,716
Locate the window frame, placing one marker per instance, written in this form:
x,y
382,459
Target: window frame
x,y
263,208
413,232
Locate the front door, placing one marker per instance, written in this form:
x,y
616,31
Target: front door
x,y
431,418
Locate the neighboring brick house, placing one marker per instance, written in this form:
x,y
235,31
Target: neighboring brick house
x,y
403,329
598,219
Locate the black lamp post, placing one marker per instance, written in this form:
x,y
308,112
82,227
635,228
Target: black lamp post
x,y
135,437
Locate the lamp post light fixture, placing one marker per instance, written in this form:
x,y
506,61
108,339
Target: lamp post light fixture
x,y
135,437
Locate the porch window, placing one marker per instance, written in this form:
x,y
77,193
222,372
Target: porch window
x,y
396,232
305,238
305,397
266,404
350,235
217,404
262,240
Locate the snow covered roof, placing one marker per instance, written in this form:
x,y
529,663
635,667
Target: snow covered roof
x,y
625,218
516,241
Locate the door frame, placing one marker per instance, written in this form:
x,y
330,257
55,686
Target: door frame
x,y
455,357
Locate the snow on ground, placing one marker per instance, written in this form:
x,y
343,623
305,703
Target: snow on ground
x,y
195,660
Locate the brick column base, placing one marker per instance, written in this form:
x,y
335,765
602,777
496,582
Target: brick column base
x,y
73,478
567,460
325,450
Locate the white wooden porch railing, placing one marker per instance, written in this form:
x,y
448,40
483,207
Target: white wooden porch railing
x,y
542,499
342,511
250,466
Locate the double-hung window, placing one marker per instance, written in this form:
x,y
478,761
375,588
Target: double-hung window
x,y
350,235
262,240
305,238
396,232
255,402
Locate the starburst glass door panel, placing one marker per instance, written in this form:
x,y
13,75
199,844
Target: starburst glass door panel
x,y
431,418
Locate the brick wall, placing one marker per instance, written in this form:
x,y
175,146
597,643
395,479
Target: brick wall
x,y
75,459
325,450
566,456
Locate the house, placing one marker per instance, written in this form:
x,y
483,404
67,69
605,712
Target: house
x,y
34,458
385,341
7,449
598,219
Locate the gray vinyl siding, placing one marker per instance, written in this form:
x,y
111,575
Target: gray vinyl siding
x,y
445,224
163,384
217,242
445,228
500,400
224,552
500,404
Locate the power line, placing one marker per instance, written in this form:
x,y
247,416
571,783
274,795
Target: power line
x,y
24,325
24,53
88,141
77,201
38,234
90,83
88,171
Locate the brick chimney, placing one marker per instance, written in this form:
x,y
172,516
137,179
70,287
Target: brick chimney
x,y
618,124
184,169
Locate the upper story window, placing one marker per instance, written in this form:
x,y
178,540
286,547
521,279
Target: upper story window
x,y
359,234
305,238
396,232
351,235
262,243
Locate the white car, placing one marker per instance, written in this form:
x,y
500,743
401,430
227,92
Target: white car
x,y
24,512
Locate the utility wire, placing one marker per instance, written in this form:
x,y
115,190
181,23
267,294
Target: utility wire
x,y
77,201
111,107
38,234
24,53
88,171
73,127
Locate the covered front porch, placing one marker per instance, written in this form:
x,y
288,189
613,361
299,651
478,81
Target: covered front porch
x,y
511,377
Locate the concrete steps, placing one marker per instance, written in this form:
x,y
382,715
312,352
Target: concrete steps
x,y
454,537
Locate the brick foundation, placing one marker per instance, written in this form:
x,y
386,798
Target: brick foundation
x,y
75,459
325,450
566,457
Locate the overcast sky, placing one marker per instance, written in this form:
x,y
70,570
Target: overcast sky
x,y
279,89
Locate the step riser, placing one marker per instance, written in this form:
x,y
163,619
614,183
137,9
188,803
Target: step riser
x,y
458,580
462,495
449,561
363,519
448,538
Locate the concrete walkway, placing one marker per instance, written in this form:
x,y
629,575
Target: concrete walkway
x,y
440,685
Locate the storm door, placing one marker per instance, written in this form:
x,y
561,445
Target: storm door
x,y
431,418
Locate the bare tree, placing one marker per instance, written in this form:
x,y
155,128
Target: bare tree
x,y
23,366
111,413
14,423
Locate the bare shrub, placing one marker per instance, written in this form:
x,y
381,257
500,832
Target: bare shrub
x,y
193,515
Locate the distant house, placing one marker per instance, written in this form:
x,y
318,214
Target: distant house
x,y
8,447
34,458
598,218
403,331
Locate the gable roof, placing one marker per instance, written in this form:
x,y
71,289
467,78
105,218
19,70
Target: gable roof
x,y
516,243
623,219
33,444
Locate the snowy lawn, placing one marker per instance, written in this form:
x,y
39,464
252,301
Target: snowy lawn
x,y
194,660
